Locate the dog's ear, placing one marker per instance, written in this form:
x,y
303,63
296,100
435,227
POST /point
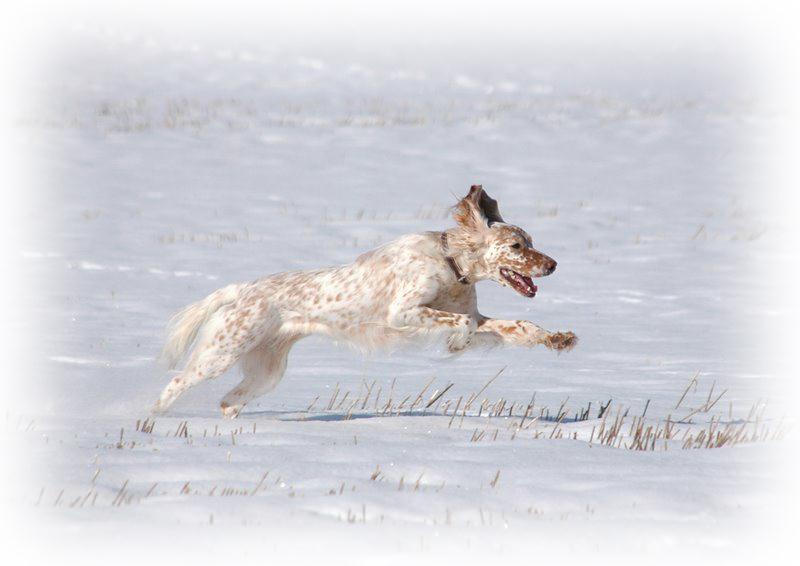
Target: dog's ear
x,y
477,210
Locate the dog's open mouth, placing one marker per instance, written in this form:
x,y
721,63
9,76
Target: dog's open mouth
x,y
521,284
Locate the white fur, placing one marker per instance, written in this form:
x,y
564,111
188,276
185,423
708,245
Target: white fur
x,y
388,296
183,327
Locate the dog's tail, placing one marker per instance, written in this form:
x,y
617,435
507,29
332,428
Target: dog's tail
x,y
184,326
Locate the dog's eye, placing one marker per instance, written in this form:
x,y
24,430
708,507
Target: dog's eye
x,y
516,246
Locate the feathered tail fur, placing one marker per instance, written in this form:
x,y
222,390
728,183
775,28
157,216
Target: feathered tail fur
x,y
184,326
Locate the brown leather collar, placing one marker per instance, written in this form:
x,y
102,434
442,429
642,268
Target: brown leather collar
x,y
461,278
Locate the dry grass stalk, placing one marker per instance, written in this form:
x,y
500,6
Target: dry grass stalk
x,y
474,396
603,409
333,397
420,395
121,495
438,395
692,381
368,393
146,426
260,483
344,398
455,412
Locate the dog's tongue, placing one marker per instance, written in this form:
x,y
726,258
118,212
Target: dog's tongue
x,y
530,284
523,284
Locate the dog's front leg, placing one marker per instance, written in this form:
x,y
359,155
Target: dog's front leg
x,y
525,333
462,327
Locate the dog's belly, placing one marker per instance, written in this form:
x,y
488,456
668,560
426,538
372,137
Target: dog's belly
x,y
365,335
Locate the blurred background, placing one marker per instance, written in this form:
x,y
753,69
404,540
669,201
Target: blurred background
x,y
158,152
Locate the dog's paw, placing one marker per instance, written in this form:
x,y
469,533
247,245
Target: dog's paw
x,y
462,338
230,411
561,341
458,342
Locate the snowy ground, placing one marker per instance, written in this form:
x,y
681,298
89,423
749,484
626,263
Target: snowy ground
x,y
171,169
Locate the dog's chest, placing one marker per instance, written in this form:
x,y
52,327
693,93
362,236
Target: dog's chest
x,y
458,298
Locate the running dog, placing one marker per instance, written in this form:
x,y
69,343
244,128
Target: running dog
x,y
419,284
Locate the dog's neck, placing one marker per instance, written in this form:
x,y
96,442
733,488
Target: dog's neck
x,y
451,262
460,250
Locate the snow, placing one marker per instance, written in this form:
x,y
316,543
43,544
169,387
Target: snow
x,y
172,171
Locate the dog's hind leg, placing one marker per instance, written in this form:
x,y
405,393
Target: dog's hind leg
x,y
262,367
227,335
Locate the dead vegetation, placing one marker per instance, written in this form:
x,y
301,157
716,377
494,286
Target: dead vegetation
x,y
483,418
691,423
197,115
504,419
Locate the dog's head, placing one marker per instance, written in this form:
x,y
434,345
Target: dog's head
x,y
497,250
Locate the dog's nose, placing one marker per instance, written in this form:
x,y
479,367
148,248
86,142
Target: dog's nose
x,y
551,267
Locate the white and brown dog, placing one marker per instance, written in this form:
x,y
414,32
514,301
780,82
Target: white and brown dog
x,y
420,283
